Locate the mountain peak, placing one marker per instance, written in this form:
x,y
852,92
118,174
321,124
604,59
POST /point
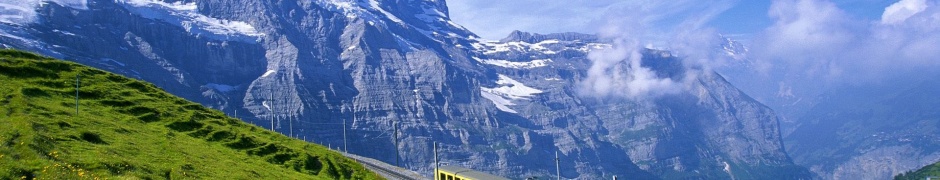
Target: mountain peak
x,y
536,37
441,5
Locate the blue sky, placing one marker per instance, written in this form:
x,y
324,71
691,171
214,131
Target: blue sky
x,y
814,43
494,19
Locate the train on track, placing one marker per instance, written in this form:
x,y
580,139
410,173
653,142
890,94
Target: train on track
x,y
461,173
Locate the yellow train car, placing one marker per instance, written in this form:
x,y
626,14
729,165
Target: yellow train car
x,y
461,173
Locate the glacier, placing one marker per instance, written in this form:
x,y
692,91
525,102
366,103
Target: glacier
x,y
508,91
24,11
185,15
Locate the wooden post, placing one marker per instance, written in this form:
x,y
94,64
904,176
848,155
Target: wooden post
x,y
77,84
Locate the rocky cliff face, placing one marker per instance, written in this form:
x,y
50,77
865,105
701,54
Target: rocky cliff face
x,y
376,70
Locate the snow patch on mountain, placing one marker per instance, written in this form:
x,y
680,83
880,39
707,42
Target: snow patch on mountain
x,y
509,90
545,47
375,6
13,14
185,15
516,65
493,47
16,36
734,49
268,73
359,9
501,103
433,16
24,11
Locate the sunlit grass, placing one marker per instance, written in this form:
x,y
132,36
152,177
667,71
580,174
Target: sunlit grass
x,y
130,129
932,171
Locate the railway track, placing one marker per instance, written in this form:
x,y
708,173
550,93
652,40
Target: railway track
x,y
391,173
388,174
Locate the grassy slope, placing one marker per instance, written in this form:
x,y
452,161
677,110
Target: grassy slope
x,y
932,170
129,129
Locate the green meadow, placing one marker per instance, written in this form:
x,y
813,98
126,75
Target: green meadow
x,y
130,129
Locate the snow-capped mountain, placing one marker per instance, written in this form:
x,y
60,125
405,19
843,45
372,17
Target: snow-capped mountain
x,y
381,70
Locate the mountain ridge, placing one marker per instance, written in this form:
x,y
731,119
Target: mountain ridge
x,y
501,107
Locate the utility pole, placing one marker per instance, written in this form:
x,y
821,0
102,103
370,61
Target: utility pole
x,y
290,120
397,154
274,110
436,165
271,106
78,80
557,166
345,147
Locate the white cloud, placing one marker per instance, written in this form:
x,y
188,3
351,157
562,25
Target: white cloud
x,y
676,26
804,33
815,39
617,72
900,11
814,46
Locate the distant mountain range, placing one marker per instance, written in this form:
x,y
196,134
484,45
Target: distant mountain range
x,y
870,131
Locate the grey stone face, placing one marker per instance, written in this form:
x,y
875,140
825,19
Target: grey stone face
x,y
309,69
